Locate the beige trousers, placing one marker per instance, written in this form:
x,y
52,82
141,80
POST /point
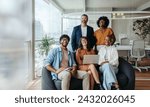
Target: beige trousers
x,y
86,79
65,77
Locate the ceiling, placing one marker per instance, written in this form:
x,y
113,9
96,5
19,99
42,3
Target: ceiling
x,y
72,6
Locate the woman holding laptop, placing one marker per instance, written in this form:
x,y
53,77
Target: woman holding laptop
x,y
84,49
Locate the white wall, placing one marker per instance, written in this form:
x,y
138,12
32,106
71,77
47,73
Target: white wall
x,y
124,26
121,27
94,17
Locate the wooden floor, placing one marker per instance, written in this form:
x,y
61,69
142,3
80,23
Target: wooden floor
x,y
35,84
142,81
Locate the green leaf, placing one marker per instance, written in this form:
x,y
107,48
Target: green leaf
x,y
44,45
142,28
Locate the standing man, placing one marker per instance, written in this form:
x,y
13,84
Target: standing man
x,y
82,30
60,62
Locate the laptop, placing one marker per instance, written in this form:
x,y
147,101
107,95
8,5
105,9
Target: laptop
x,y
90,59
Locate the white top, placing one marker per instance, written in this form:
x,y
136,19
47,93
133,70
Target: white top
x,y
84,30
108,53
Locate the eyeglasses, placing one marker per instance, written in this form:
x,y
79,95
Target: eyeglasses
x,y
65,39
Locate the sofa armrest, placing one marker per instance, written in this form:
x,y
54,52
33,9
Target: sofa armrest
x,y
127,69
47,82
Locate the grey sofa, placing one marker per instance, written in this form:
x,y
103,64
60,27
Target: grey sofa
x,y
125,76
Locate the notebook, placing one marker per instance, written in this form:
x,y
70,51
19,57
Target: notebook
x,y
90,59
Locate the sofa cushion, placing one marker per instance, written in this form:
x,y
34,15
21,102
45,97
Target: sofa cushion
x,y
57,84
76,84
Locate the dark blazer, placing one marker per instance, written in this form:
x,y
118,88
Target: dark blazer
x,y
77,34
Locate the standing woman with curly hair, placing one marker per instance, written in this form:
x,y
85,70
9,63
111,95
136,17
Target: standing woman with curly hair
x,y
103,31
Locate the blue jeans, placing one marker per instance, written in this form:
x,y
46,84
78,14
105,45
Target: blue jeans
x,y
109,75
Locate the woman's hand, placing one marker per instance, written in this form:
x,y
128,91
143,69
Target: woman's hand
x,y
104,62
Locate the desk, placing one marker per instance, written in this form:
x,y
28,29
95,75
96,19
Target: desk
x,y
124,47
123,50
129,47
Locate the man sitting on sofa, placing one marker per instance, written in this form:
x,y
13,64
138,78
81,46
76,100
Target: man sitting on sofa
x,y
60,62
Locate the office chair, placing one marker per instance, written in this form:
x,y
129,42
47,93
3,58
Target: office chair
x,y
138,52
125,41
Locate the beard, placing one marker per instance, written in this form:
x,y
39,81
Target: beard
x,y
84,21
64,44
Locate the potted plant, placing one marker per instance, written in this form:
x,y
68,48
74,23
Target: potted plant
x,y
45,44
142,28
43,47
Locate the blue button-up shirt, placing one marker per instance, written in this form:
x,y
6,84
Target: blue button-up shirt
x,y
54,59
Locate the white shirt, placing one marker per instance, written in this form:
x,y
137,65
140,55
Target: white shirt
x,y
84,30
110,54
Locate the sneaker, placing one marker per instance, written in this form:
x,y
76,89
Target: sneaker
x,y
99,87
114,87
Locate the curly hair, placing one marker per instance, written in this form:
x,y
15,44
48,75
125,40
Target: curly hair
x,y
64,36
105,19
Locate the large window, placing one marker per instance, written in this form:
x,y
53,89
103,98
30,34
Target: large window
x,y
15,39
68,24
47,23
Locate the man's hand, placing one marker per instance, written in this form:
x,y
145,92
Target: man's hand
x,y
74,71
59,70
